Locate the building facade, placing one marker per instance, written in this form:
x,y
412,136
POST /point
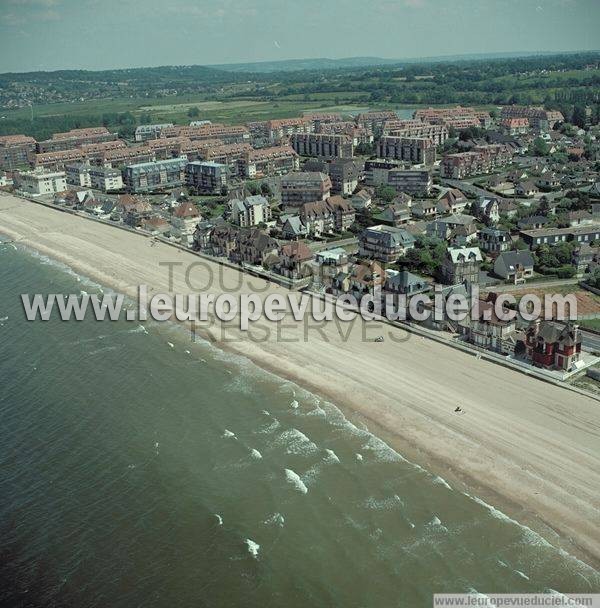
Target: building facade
x,y
145,177
415,150
207,176
304,187
39,182
322,145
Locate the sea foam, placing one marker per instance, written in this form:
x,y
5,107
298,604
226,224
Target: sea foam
x,y
253,548
294,479
276,519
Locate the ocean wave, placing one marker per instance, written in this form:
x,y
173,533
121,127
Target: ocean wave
x,y
296,442
227,434
272,426
253,548
219,519
140,329
437,523
256,454
442,482
317,411
383,452
104,349
384,504
331,456
65,268
294,479
276,519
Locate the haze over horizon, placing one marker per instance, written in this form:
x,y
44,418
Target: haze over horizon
x,y
94,34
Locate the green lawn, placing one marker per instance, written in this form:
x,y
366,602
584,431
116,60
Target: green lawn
x,y
590,323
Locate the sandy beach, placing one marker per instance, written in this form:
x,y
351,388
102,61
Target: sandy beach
x,y
525,446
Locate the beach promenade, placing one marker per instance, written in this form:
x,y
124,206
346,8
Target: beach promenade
x,y
527,447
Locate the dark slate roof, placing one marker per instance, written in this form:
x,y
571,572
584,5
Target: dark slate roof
x,y
512,259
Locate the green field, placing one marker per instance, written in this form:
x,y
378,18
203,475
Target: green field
x,y
159,110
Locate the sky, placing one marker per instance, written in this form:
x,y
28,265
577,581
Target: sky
x,y
101,34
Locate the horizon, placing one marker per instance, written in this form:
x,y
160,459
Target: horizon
x,y
474,56
126,34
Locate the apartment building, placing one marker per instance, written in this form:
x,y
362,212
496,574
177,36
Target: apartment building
x,y
344,174
415,128
514,126
358,135
145,177
415,150
251,211
75,138
226,154
461,264
15,151
538,118
95,152
167,147
145,132
481,159
304,187
228,134
323,145
78,174
376,170
384,243
127,156
458,118
40,182
374,120
416,182
276,160
184,220
106,179
553,236
284,128
324,217
58,159
207,177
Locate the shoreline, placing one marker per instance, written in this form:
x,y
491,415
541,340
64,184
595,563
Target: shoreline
x,y
556,450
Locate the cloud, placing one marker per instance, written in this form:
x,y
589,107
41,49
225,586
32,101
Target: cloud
x,y
42,3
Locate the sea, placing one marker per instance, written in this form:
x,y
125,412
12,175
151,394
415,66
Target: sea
x,y
139,468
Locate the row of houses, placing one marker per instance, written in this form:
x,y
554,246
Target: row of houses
x,y
477,161
318,218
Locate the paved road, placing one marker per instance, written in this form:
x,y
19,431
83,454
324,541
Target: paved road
x,y
590,341
477,191
345,243
535,285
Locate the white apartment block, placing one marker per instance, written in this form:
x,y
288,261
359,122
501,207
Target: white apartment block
x,y
38,183
106,179
145,132
78,175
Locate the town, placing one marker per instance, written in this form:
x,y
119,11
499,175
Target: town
x,y
336,203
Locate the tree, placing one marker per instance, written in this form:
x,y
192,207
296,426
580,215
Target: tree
x,y
365,149
265,189
579,116
385,193
193,112
540,147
